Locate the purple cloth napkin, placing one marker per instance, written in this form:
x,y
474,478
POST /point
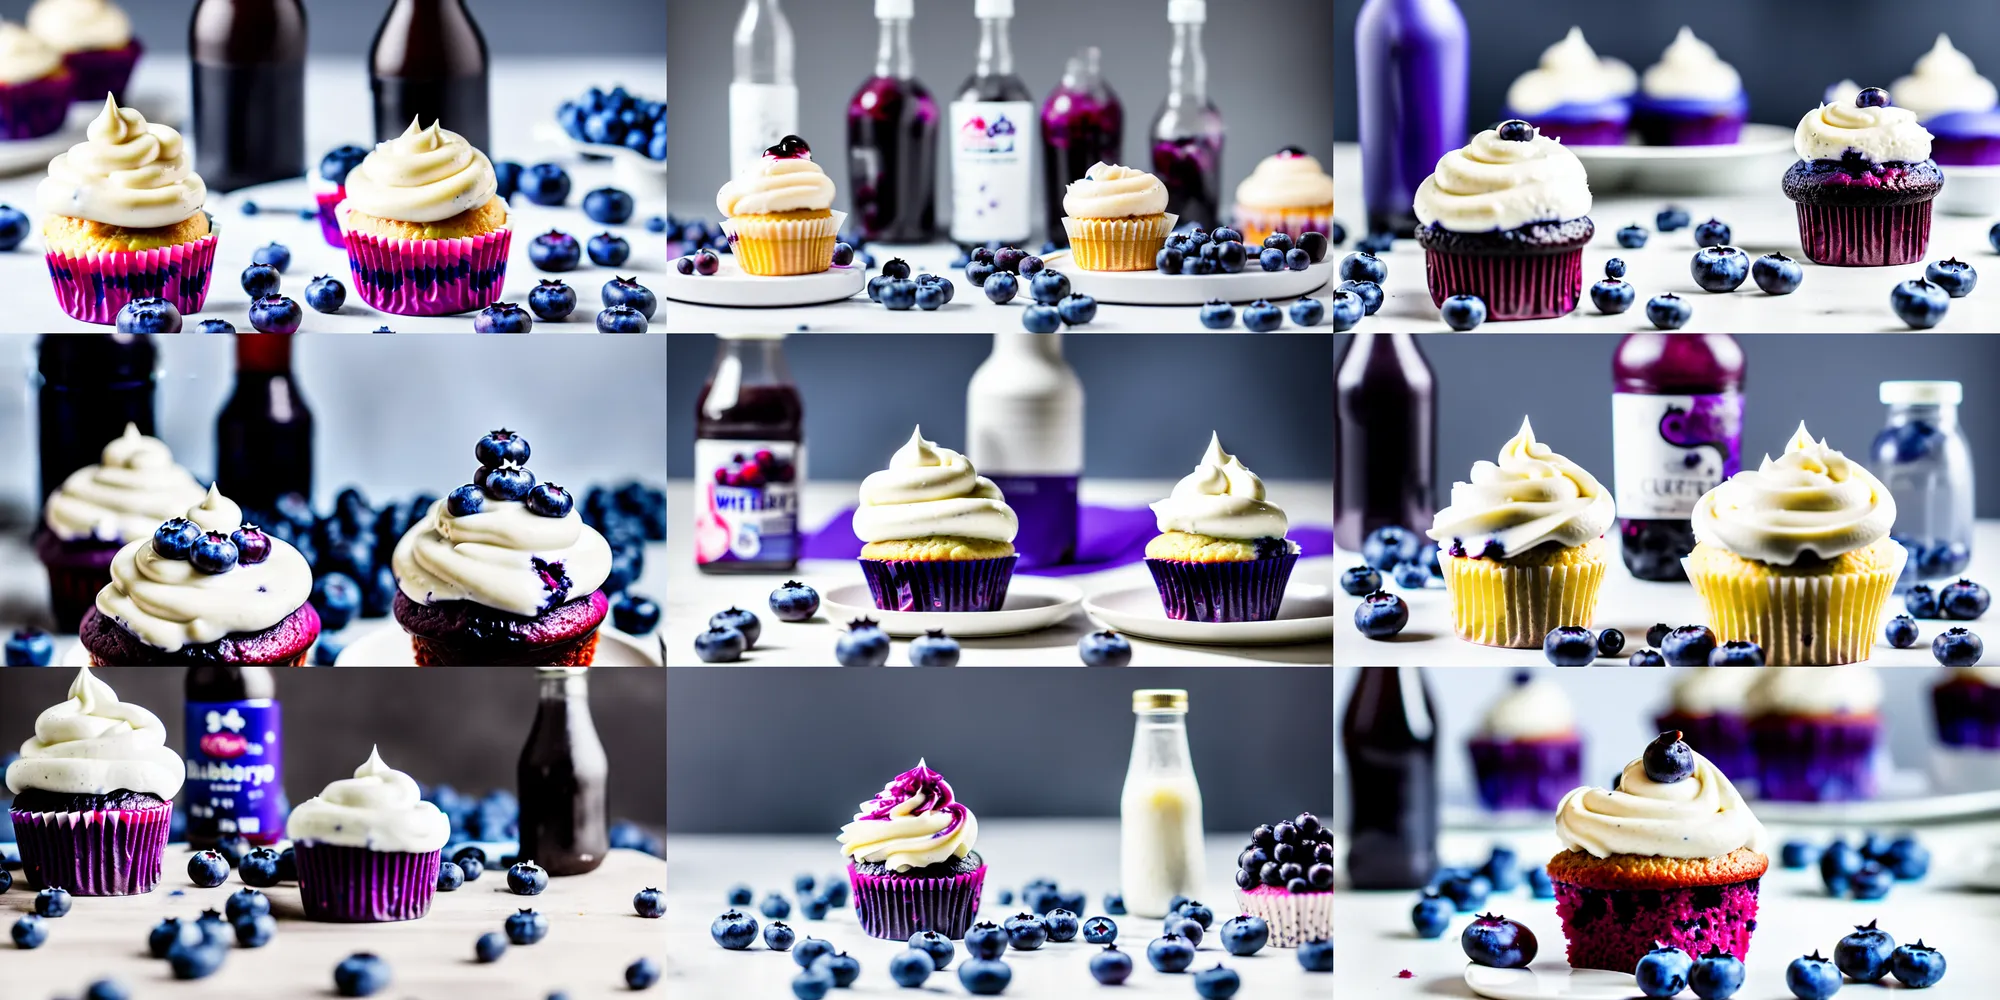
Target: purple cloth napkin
x,y
1106,537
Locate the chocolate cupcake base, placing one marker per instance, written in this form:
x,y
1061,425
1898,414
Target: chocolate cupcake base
x,y
282,645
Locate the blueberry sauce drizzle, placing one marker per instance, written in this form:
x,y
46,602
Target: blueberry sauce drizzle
x,y
924,786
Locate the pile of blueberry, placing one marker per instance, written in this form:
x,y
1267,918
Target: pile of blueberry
x,y
616,118
730,634
1868,955
755,469
1666,971
210,552
1921,303
29,647
1295,855
1962,600
1863,871
1263,317
1403,554
896,290
1001,273
503,477
1195,251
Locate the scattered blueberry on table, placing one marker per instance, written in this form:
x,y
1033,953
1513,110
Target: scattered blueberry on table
x,y
1777,274
1632,237
276,314
361,974
1716,975
1957,647
1671,219
793,601
1719,268
1170,952
1736,653
864,644
326,294
1955,276
30,647
1663,971
277,255
1463,312
1316,955
207,869
1713,233
1920,304
1370,292
1381,615
555,251
1668,311
1104,648
526,927
500,317
621,319
1570,646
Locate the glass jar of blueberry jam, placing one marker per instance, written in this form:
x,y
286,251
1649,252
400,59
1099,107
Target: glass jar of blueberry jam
x,y
1922,456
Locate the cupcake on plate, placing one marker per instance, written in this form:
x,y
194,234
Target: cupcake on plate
x,y
1285,876
93,794
1522,547
34,85
1288,193
123,219
910,859
1669,855
1954,104
1690,97
1506,218
1575,96
329,188
1221,554
134,487
1117,218
1527,752
368,847
1795,555
96,42
1709,708
779,215
1864,183
1967,707
937,535
503,571
425,227
204,588
1813,731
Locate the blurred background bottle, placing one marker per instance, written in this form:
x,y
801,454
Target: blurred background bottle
x,y
429,64
1187,134
1385,438
1922,456
235,755
264,434
1412,67
88,386
1160,845
1676,431
992,139
749,459
763,100
1390,736
1082,124
562,777
892,138
249,78
1024,431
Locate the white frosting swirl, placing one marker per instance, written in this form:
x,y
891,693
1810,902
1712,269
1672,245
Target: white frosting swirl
x,y
1689,69
423,175
1494,184
1882,135
1532,708
23,57
168,603
1111,191
379,809
1809,499
1944,80
1286,180
1530,497
80,25
1701,691
929,491
1845,689
127,173
1220,498
504,557
1570,73
774,184
125,496
1699,816
94,744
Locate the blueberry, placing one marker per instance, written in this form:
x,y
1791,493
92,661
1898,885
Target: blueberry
x,y
983,977
1297,259
14,227
986,940
1218,315
739,895
1412,576
935,946
629,292
500,317
106,989
1716,976
1670,219
506,174
1100,930
1797,854
30,647
1663,971
1539,884
813,907
1838,865
1736,653
216,326
546,184
1467,891
1389,545
1862,956
1381,615
1370,292
359,975
1169,260
1308,312
1502,869
326,294
1316,244
1811,977
777,937
1271,259
1025,931
1063,925
1262,317
934,649
148,315
1713,233
1919,303
199,962
1632,237
1110,966
1515,130
1376,243
720,645
1497,942
608,206
277,255
1688,646
1031,266
1104,649
1316,955
1217,983
621,319
276,314
526,927
842,967
1647,658
1963,600
1610,642
1777,274
705,262
1668,758
929,298
471,861
1362,266
1049,287
1037,318
1668,311
1463,312
1570,646
1114,904
811,950
505,483
172,934
1871,882
1170,953
1719,268
843,255
207,869
53,903
1993,236
1958,647
555,250
1077,310
864,644
1657,634
1612,296
910,968
1002,287
980,273
1917,966
1346,310
1872,97
1922,602
794,602
490,946
811,985
608,250
1431,916
246,903
526,878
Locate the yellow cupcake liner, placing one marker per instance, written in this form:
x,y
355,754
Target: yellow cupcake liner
x,y
1498,603
1799,620
776,247
1118,244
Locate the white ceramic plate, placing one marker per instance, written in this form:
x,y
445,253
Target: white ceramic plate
x,y
1033,603
1306,615
1970,191
160,107
1151,288
1551,983
729,286
390,647
1729,169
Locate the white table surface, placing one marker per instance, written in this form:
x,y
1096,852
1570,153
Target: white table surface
x,y
524,93
1077,854
692,596
1628,604
1832,299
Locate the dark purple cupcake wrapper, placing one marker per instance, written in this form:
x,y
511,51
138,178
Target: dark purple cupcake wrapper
x,y
1803,759
329,223
1526,774
893,907
1724,739
938,584
1248,590
1865,235
73,588
354,885
96,72
1968,714
1513,286
1658,129
1966,151
110,852
36,108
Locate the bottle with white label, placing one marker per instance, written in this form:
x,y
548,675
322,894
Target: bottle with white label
x,y
1024,431
992,138
1160,852
1676,432
749,459
763,100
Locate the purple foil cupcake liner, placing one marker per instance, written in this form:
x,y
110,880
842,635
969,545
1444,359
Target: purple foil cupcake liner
x,y
354,885
329,223
1865,236
893,907
96,72
75,576
1513,286
1723,739
938,584
1968,714
36,108
1526,774
1249,590
1803,759
112,852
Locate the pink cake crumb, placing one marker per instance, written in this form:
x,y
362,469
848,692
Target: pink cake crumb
x,y
1406,974
1612,928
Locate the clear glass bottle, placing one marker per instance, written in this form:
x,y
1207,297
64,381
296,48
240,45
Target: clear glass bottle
x,y
1024,431
1922,456
992,140
763,99
1187,134
1160,829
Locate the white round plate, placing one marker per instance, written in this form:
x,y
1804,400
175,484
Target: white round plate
x,y
1151,288
390,647
1970,191
16,155
729,286
1305,615
1552,983
1727,169
1033,603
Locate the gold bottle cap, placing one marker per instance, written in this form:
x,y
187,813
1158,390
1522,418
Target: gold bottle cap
x,y
1159,700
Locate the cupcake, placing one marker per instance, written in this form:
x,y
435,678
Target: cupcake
x,y
1221,554
1506,218
779,215
123,219
93,794
1813,731
1690,97
329,188
1522,547
99,508
1285,876
502,572
1864,183
1954,104
1527,752
937,535
1668,856
96,42
1288,193
1117,218
203,589
1708,708
910,859
368,847
1573,95
425,227
34,85
1796,555
1967,707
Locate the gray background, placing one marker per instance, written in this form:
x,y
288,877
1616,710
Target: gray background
x,y
465,726
1270,72
1785,55
1563,382
1149,400
794,751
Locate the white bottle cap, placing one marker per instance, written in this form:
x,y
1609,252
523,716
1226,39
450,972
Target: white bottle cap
x,y
895,10
1187,11
984,9
1922,393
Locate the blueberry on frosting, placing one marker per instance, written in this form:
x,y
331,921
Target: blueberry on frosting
x,y
1872,97
1668,759
790,147
1516,130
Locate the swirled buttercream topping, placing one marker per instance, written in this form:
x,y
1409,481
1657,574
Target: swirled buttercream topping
x,y
930,491
168,603
1699,816
94,744
133,488
1811,499
1845,689
1220,498
77,25
1531,708
504,556
780,181
1570,73
1495,184
1882,135
1530,497
379,809
1287,179
1111,191
424,175
913,822
1689,69
1944,80
23,56
1701,691
128,173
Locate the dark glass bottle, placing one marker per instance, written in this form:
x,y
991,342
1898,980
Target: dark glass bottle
x,y
89,386
1676,433
750,460
892,138
1390,736
235,755
562,777
264,434
1385,430
429,64
249,59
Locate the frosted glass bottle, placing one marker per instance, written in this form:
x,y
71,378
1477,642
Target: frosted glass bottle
x,y
1024,431
1160,852
1923,458
763,99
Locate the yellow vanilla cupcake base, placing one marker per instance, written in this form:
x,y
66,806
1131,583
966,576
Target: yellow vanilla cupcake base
x,y
1131,244
488,218
1515,602
1185,546
1816,616
784,243
70,236
937,548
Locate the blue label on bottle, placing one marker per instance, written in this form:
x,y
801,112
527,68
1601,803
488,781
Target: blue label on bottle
x,y
235,768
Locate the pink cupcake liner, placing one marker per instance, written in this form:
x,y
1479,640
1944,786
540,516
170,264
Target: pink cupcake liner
x,y
354,885
1971,151
429,277
1806,759
93,287
1612,928
1968,714
1722,737
329,223
893,907
1526,774
1294,918
110,852
939,584
1865,236
1249,590
1515,286
97,72
36,108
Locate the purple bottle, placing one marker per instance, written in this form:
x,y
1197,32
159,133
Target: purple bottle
x,y
892,131
1676,432
1411,63
1082,124
1187,133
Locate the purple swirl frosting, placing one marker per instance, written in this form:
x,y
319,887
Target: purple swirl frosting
x,y
913,822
